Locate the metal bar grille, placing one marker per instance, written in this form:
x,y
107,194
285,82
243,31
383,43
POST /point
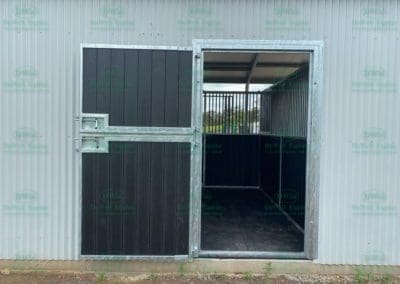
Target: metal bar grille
x,y
231,112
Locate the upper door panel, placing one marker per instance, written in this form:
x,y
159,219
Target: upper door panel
x,y
138,87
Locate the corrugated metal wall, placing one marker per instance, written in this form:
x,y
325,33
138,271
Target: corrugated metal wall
x,y
359,181
289,106
265,113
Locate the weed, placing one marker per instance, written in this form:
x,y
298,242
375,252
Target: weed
x,y
181,269
267,269
362,276
387,278
153,276
101,278
248,276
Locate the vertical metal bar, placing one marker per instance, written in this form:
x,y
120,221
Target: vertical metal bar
x,y
234,119
217,113
254,113
225,104
231,103
246,110
213,113
220,112
244,113
204,110
280,172
229,114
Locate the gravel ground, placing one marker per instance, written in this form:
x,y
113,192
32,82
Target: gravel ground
x,y
7,276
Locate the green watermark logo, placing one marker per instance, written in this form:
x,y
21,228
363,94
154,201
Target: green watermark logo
x,y
209,207
373,256
287,19
26,141
374,80
374,202
25,202
112,16
198,19
26,79
26,255
374,140
289,202
272,147
373,18
288,147
214,148
25,18
112,203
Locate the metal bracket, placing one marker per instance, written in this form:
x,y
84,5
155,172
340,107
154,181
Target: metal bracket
x,y
94,121
94,144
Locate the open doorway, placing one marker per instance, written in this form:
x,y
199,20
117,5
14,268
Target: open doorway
x,y
254,159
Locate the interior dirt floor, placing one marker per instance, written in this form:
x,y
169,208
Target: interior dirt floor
x,y
246,220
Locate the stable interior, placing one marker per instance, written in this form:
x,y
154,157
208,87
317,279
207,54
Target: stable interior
x,y
254,153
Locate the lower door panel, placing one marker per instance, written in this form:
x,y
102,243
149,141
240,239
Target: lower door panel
x,y
136,199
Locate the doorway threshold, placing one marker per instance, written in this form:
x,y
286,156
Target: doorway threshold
x,y
251,254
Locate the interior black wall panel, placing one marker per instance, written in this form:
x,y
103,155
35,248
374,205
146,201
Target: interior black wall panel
x,y
232,160
138,87
117,87
158,88
171,206
269,165
136,199
171,88
294,178
129,183
183,197
185,89
130,88
103,82
144,88
89,80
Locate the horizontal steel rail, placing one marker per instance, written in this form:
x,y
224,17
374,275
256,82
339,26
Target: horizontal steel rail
x,y
251,254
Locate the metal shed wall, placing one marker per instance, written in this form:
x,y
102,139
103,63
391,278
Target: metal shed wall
x,y
40,84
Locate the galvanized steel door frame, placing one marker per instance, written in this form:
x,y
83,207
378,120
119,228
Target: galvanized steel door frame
x,y
125,134
315,49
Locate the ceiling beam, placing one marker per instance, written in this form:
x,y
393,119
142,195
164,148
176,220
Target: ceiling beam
x,y
250,73
245,66
227,79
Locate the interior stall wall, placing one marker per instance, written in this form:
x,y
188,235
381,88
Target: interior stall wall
x,y
282,173
232,160
289,106
293,178
269,166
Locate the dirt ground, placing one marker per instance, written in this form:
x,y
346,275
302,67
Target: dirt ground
x,y
7,276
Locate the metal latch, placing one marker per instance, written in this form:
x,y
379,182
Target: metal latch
x,y
94,144
94,121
